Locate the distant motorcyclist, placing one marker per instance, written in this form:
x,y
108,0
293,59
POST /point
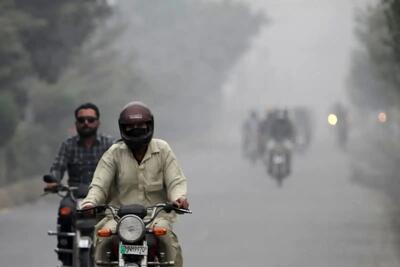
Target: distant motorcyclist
x,y
78,155
281,127
281,132
250,136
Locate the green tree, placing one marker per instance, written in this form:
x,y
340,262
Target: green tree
x,y
375,86
392,13
66,25
38,40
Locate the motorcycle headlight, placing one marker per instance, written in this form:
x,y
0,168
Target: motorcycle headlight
x,y
131,228
332,119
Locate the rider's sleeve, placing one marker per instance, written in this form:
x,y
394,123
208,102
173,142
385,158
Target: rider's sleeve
x,y
174,179
60,162
102,180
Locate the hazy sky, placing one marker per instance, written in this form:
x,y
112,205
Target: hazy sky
x,y
302,56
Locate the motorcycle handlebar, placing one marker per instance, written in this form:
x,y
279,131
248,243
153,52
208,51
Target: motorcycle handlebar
x,y
60,188
56,189
98,208
168,207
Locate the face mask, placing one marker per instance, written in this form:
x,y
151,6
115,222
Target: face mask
x,y
136,132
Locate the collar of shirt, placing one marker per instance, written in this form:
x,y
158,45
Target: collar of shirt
x,y
152,149
79,140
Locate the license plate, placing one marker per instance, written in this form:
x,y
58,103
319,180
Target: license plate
x,y
84,242
133,250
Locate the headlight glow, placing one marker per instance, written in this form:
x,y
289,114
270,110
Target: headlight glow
x,y
131,229
382,117
332,119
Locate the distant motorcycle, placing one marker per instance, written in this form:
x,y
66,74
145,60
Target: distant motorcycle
x,y
136,240
278,160
82,227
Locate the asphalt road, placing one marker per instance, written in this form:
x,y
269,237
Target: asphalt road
x,y
242,218
318,218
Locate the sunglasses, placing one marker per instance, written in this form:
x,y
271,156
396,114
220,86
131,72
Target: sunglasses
x,y
88,119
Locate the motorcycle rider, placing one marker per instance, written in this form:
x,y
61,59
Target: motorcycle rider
x,y
78,155
281,131
250,135
138,169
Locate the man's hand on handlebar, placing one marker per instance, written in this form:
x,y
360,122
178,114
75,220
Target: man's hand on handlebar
x,y
87,209
51,186
181,203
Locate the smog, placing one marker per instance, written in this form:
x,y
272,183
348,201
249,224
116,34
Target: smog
x,y
216,74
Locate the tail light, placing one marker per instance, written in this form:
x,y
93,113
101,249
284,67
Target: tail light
x,y
65,211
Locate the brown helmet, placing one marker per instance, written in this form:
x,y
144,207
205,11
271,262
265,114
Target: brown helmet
x,y
132,114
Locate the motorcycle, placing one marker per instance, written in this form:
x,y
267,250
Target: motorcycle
x,y
135,240
278,160
82,227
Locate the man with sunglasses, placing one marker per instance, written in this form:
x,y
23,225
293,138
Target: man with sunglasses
x,y
78,155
